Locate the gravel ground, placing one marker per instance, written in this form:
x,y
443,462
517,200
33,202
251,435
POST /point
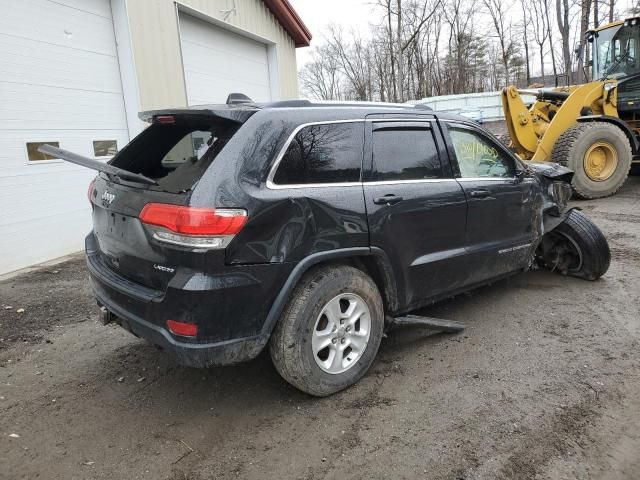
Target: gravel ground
x,y
542,384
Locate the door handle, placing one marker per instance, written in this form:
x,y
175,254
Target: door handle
x,y
481,193
389,199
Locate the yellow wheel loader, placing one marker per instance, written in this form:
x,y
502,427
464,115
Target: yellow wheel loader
x,y
594,128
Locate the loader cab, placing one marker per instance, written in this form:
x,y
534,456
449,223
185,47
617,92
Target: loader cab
x,y
616,56
615,50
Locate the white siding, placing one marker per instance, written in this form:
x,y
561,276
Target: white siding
x,y
218,62
60,82
155,40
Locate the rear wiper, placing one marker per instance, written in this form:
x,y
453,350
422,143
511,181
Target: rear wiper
x,y
96,165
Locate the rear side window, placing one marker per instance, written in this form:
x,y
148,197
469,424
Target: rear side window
x,y
326,153
405,153
176,155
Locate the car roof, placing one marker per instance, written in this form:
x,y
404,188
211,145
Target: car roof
x,y
241,111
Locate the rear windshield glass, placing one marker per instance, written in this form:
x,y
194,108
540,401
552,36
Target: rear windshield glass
x,y
176,156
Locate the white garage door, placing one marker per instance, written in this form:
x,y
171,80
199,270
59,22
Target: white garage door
x,y
59,82
218,62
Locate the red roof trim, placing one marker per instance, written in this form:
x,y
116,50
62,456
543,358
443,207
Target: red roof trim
x,y
290,20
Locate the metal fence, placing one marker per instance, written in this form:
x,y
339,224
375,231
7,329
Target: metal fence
x,y
482,107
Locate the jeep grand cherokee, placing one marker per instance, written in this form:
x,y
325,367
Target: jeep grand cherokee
x,y
222,229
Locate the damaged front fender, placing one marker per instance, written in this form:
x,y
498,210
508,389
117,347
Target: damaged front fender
x,y
552,171
555,181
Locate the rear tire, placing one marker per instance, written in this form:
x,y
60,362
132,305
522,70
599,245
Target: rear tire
x,y
576,247
600,155
321,301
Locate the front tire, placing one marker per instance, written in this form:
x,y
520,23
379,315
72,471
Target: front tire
x,y
576,247
330,331
599,153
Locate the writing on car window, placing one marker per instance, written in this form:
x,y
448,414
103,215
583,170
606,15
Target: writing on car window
x,y
477,157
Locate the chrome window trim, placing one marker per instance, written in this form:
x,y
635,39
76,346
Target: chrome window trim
x,y
275,186
408,181
360,184
481,179
272,173
404,120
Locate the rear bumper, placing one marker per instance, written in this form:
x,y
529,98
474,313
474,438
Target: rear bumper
x,y
200,355
231,322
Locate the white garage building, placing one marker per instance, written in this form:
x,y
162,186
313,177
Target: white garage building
x,y
76,73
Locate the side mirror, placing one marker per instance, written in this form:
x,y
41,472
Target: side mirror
x,y
521,171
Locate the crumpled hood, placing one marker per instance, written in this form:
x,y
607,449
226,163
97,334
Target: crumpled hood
x,y
551,170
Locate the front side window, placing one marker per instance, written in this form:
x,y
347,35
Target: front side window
x,y
477,157
405,153
325,153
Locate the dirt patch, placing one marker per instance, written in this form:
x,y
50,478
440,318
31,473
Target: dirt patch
x,y
35,304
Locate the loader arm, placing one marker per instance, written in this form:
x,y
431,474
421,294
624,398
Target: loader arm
x,y
519,123
535,130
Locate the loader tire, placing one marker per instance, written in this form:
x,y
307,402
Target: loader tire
x,y
599,153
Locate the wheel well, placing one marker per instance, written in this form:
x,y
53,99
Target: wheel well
x,y
374,267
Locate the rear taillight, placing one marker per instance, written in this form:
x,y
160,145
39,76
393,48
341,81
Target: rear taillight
x,y
90,191
182,329
193,227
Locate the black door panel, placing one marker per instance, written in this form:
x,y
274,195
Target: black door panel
x,y
415,214
423,235
501,223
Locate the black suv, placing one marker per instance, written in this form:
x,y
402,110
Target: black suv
x,y
306,226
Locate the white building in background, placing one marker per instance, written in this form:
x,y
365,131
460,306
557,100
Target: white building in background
x,y
75,73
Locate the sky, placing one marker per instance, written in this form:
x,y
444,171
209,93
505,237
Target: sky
x,y
358,14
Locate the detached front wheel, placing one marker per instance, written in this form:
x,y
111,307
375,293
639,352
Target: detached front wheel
x,y
330,332
576,247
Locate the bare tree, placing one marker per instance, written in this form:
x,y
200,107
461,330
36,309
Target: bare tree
x,y
612,8
585,8
526,25
547,19
539,29
321,77
422,48
497,11
562,15
404,24
354,60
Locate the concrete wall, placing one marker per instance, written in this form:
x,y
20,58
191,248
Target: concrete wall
x,y
155,44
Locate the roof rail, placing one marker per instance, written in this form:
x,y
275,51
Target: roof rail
x,y
289,103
